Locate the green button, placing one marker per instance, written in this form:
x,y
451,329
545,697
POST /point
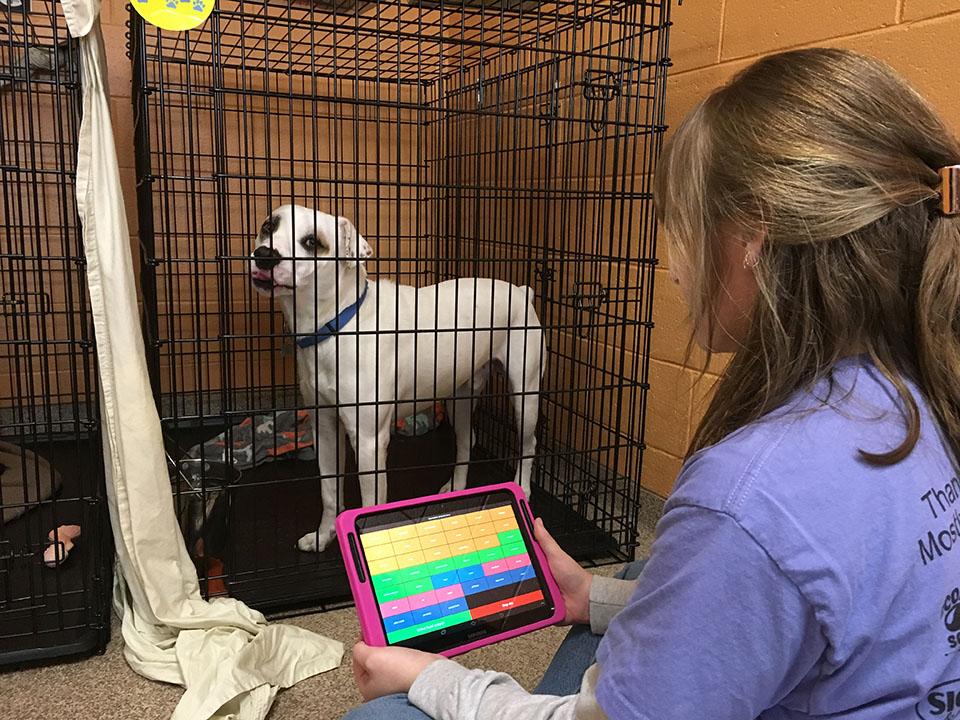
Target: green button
x,y
417,572
428,627
416,587
441,566
510,537
462,561
488,554
391,592
515,549
386,579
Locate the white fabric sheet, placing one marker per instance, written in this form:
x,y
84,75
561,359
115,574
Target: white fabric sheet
x,y
230,661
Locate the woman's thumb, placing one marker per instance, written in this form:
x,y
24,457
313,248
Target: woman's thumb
x,y
361,651
543,537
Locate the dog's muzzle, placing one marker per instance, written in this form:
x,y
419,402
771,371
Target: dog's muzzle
x,y
265,259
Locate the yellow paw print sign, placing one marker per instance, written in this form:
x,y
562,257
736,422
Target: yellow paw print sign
x,y
175,15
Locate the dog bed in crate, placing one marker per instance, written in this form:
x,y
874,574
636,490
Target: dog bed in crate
x,y
26,479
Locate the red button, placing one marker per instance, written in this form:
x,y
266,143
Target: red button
x,y
508,604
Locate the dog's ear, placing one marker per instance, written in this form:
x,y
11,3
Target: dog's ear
x,y
353,248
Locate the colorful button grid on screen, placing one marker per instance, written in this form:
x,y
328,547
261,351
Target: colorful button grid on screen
x,y
439,573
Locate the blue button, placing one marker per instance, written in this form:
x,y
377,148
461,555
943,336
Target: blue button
x,y
398,622
469,573
431,612
474,586
443,579
524,573
504,578
453,606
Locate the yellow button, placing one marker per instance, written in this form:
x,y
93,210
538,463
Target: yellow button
x,y
455,536
439,552
486,529
374,538
406,547
382,566
453,523
478,517
411,559
487,541
504,525
432,541
499,513
462,548
378,552
398,534
429,527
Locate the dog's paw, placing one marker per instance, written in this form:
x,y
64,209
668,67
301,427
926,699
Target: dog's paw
x,y
308,543
199,6
314,541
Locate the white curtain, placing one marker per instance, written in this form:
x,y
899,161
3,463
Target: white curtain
x,y
225,655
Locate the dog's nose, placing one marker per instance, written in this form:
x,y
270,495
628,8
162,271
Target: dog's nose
x,y
266,258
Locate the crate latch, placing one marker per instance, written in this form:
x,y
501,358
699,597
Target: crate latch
x,y
599,88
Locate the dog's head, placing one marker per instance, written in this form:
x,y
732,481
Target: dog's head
x,y
298,247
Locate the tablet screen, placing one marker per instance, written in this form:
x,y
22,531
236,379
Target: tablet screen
x,y
451,572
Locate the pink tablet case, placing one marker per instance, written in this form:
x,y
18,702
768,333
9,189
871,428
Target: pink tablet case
x,y
363,592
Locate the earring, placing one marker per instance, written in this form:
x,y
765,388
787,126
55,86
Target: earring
x,y
751,259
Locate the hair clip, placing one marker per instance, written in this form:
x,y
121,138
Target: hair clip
x,y
950,190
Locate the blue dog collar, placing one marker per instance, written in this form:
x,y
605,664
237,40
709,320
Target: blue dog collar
x,y
333,327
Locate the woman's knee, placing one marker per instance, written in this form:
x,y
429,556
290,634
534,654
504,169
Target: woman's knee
x,y
631,571
394,707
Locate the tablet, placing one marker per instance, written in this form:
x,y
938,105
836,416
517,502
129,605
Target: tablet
x,y
448,573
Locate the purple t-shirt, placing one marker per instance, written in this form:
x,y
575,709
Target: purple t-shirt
x,y
791,579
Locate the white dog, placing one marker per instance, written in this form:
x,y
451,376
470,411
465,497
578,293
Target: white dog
x,y
373,351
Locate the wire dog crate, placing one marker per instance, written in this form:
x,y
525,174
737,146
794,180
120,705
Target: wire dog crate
x,y
51,468
477,138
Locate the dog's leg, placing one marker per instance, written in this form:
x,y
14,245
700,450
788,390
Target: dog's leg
x,y
371,442
330,444
462,419
524,373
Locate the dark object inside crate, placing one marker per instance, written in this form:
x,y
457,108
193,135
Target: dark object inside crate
x,y
202,492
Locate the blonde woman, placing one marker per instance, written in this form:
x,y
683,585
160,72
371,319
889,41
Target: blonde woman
x,y
804,564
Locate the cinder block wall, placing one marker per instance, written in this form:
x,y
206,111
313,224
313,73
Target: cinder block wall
x,y
709,42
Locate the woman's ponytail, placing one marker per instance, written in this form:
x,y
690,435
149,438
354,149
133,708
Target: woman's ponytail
x,y
937,324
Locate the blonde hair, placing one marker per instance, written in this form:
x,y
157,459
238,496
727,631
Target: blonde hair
x,y
832,157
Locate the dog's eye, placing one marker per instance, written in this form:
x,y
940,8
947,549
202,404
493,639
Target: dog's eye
x,y
309,242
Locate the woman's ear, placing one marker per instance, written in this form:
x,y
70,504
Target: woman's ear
x,y
752,240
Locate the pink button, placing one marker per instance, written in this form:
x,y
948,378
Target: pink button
x,y
395,607
450,592
422,600
518,561
494,566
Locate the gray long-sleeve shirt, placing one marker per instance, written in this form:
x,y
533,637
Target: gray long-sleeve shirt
x,y
446,690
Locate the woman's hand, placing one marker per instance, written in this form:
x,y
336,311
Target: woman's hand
x,y
573,580
386,670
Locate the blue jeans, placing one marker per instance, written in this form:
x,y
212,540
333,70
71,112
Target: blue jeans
x,y
576,653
